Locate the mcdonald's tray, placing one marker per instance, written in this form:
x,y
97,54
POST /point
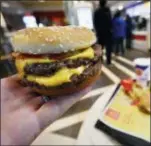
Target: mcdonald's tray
x,y
122,138
122,120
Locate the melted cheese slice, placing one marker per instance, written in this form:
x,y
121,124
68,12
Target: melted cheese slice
x,y
60,77
88,53
21,63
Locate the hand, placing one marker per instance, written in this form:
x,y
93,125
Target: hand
x,y
24,115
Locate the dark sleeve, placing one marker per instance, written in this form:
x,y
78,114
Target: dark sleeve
x,y
110,19
131,24
95,20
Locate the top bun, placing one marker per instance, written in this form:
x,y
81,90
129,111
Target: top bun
x,y
52,39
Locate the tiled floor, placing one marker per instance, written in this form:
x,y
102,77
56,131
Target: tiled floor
x,y
71,131
81,106
132,54
66,128
109,76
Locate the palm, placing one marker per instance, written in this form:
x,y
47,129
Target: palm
x,y
24,115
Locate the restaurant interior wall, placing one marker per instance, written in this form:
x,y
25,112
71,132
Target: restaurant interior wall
x,y
56,17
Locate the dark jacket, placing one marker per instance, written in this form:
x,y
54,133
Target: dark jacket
x,y
102,22
129,27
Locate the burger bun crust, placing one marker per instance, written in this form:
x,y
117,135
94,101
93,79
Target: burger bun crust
x,y
53,40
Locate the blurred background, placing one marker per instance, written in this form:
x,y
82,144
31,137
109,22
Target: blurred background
x,y
20,14
16,15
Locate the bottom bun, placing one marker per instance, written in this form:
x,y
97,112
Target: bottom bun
x,y
70,90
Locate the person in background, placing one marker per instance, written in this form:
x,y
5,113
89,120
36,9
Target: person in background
x,y
119,32
103,26
129,28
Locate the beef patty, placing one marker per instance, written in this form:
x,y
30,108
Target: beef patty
x,y
47,69
75,79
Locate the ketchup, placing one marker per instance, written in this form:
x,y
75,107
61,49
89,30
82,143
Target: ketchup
x,y
127,84
50,56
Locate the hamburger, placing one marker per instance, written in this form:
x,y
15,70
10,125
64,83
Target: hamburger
x,y
56,61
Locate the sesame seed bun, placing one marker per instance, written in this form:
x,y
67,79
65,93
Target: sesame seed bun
x,y
52,39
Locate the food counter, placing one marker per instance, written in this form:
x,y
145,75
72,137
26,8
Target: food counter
x,y
140,40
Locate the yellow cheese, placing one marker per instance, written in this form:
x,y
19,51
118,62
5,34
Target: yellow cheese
x,y
60,77
21,63
88,53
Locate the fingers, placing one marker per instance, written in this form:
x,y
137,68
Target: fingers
x,y
19,100
13,95
35,103
11,82
56,107
12,89
25,93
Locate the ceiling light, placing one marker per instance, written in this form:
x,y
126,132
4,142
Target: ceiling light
x,y
6,5
75,2
120,7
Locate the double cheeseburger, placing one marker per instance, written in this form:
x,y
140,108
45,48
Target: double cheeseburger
x,y
56,60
